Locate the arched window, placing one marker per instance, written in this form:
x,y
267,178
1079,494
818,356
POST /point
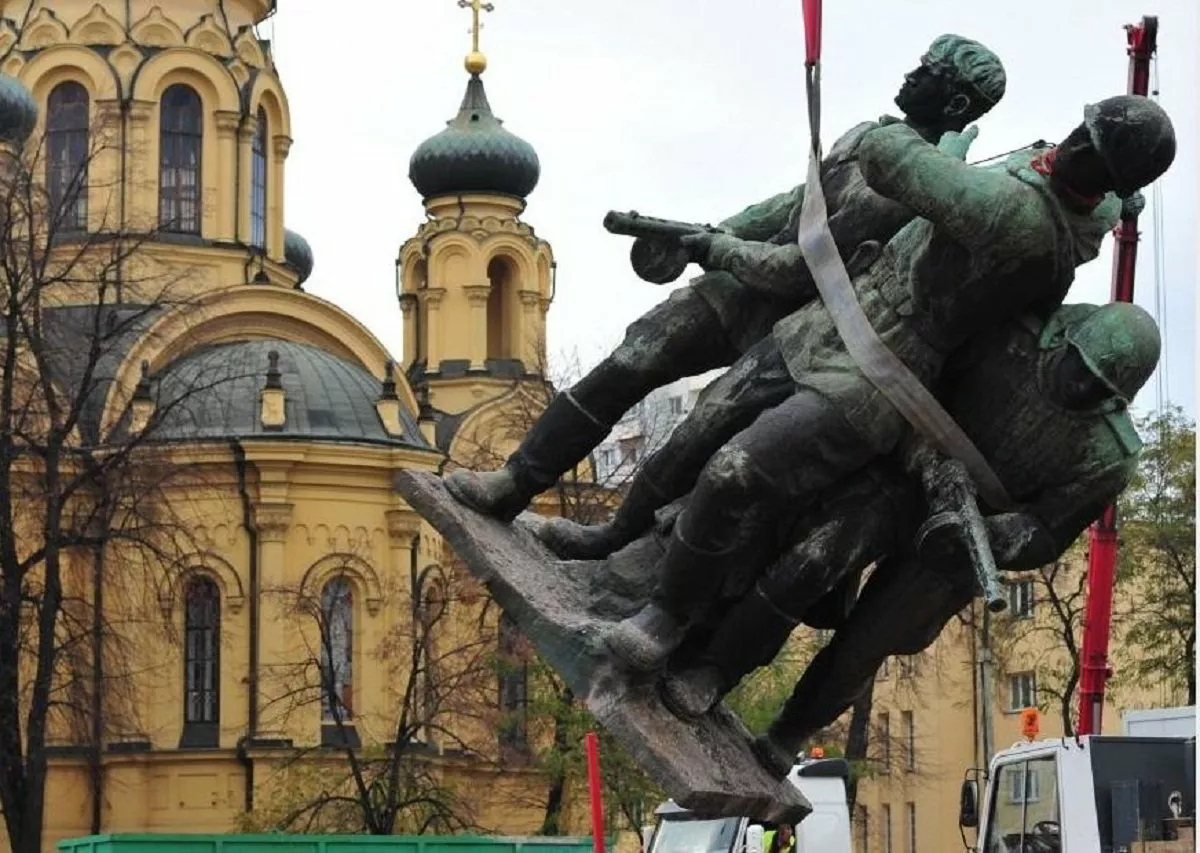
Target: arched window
x,y
67,155
258,183
181,137
500,308
337,645
514,686
201,661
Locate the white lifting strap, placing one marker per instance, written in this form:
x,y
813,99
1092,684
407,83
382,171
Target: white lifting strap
x,y
878,363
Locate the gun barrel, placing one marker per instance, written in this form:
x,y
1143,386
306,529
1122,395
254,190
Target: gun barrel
x,y
634,224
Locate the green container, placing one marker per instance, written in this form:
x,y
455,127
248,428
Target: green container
x,y
170,843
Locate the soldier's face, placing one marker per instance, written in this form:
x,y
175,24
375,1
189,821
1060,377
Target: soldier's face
x,y
1072,382
1079,166
926,91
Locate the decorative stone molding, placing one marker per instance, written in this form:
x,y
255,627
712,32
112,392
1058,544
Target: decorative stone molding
x,y
157,30
209,564
529,297
477,294
227,121
403,525
281,145
272,521
344,564
431,295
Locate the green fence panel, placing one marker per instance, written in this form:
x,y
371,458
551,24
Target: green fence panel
x,y
281,843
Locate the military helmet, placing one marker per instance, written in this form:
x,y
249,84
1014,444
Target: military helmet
x,y
972,64
1135,138
1120,344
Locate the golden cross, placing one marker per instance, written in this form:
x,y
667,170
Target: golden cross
x,y
475,6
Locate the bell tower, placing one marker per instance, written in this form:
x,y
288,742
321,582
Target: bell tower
x,y
475,281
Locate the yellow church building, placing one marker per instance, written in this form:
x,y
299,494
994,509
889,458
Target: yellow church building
x,y
278,636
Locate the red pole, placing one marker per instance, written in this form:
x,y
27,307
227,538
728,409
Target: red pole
x,y
1102,550
596,789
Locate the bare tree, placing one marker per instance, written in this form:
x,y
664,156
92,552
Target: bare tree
x,y
374,771
92,504
1039,636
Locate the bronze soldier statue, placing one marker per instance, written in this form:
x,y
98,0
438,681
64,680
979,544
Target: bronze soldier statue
x,y
718,316
990,244
1046,405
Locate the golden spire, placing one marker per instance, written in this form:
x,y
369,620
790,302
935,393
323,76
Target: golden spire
x,y
476,61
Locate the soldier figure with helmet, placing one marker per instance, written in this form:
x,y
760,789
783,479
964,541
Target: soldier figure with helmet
x,y
991,244
1046,404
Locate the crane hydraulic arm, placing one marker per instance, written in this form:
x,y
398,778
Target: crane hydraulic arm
x,y
1102,550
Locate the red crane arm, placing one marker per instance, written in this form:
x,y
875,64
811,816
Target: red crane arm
x,y
1102,550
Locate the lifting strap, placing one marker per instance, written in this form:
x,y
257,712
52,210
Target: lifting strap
x,y
878,363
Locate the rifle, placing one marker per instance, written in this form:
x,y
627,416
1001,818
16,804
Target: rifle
x,y
961,533
634,224
656,255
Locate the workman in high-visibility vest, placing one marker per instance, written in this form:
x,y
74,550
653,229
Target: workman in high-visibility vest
x,y
782,840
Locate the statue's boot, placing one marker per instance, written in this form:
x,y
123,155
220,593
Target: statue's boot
x,y
561,438
774,757
574,541
749,636
830,684
644,641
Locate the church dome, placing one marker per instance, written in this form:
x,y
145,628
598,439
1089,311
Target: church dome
x,y
326,397
18,111
474,154
298,254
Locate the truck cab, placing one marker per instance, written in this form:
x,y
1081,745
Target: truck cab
x,y
1091,794
826,828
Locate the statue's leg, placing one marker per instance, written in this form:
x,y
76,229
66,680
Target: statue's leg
x,y
678,337
757,381
902,610
779,464
855,526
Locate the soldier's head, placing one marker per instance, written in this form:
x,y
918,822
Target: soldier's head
x,y
957,81
1103,353
1123,144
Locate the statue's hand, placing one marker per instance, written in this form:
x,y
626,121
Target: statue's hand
x,y
697,246
1134,204
957,144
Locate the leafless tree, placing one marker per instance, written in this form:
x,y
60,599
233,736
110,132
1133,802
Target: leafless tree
x,y
92,507
374,771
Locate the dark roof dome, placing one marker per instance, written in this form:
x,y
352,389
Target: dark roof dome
x,y
298,254
18,111
474,154
326,398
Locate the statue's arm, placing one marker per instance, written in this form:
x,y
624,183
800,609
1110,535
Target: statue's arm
x,y
977,207
776,270
762,221
1038,533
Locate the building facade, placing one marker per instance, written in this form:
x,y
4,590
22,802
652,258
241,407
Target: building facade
x,y
276,638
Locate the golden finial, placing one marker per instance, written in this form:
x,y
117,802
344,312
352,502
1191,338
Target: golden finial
x,y
476,61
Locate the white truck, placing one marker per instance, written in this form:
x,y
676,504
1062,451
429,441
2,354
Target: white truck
x,y
1160,722
1092,794
825,830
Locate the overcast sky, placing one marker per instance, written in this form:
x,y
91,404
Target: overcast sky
x,y
688,109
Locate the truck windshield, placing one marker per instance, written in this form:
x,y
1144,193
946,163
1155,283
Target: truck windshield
x,y
1024,808
695,836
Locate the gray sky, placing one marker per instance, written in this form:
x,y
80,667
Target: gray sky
x,y
688,109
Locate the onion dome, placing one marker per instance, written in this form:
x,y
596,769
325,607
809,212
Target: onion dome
x,y
474,154
297,254
18,111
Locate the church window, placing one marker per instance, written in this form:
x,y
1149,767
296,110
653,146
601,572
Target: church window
x,y
67,156
258,183
180,141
